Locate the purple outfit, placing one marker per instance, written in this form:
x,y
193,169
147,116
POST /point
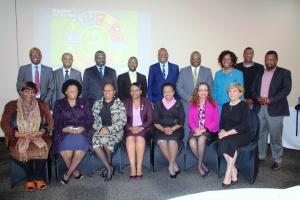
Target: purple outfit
x,y
80,115
146,115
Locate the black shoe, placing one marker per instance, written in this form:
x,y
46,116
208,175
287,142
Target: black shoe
x,y
103,173
234,182
64,181
173,176
204,175
177,172
109,175
276,166
226,185
80,176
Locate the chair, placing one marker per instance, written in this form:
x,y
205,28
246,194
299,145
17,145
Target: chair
x,y
160,161
147,163
210,159
17,173
247,160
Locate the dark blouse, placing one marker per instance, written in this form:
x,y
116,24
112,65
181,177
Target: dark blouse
x,y
64,115
105,113
171,117
236,117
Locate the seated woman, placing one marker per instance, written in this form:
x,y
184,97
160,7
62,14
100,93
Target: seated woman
x,y
109,120
203,121
234,130
138,128
168,122
73,121
27,123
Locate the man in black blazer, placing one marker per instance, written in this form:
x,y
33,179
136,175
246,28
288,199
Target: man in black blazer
x,y
95,77
250,70
270,91
126,79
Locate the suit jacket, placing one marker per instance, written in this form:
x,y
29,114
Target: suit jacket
x,y
185,83
59,80
92,84
280,88
46,81
212,117
124,84
146,113
156,80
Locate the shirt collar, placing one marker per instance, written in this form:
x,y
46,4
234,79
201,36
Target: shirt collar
x,y
33,65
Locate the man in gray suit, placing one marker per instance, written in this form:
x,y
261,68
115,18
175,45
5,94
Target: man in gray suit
x,y
63,74
188,78
95,77
40,74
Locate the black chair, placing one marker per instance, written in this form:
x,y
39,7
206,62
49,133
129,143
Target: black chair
x,y
247,160
17,173
147,163
160,161
210,159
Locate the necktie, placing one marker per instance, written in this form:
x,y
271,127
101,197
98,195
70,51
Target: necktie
x,y
164,70
195,76
66,75
101,72
37,79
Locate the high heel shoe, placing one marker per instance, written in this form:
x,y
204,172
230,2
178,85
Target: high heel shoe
x,y
64,181
224,185
109,175
170,172
103,173
79,176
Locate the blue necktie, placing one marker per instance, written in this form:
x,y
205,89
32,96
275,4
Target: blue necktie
x,y
164,70
101,72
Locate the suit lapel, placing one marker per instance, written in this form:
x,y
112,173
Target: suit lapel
x,y
29,72
273,80
169,70
42,78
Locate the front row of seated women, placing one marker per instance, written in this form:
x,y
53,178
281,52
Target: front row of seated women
x,y
80,127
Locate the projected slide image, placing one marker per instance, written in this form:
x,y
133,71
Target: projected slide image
x,y
82,33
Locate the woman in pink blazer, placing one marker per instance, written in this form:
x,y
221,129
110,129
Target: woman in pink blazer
x,y
203,121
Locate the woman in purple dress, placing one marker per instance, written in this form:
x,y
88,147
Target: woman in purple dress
x,y
73,120
138,128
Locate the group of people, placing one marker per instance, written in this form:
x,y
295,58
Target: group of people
x,y
99,111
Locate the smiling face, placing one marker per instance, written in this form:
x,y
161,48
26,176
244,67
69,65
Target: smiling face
x,y
35,56
132,64
28,94
234,94
227,61
163,55
108,92
195,59
168,93
67,60
202,91
135,92
100,58
72,92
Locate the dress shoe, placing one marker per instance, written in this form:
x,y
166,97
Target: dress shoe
x,y
138,177
276,166
226,185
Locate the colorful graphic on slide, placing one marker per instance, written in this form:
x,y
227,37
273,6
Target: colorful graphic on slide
x,y
84,32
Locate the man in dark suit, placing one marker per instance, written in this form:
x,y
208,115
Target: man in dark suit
x,y
250,70
40,74
63,74
95,77
159,73
270,91
126,79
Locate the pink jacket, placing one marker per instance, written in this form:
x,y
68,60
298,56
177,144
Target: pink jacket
x,y
212,117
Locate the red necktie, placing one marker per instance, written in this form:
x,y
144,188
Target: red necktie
x,y
37,79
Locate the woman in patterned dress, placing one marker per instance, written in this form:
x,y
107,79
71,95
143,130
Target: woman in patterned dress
x,y
109,119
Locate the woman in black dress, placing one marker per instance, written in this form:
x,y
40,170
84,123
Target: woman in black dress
x,y
168,122
234,130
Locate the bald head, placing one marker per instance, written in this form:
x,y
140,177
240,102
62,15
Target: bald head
x,y
195,59
35,55
162,55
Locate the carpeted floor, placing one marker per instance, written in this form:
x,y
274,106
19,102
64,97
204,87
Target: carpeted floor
x,y
154,185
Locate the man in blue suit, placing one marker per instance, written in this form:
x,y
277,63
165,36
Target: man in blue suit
x,y
159,73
